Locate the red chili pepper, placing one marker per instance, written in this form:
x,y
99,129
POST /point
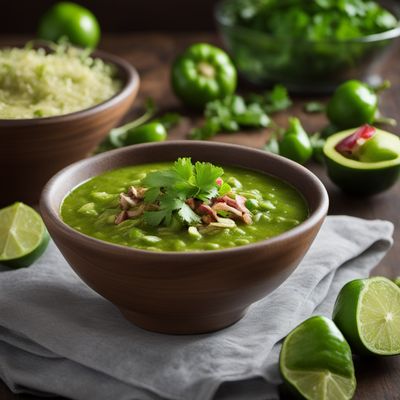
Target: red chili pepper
x,y
350,144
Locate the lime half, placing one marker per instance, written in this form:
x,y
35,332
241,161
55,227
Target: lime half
x,y
367,311
316,361
23,236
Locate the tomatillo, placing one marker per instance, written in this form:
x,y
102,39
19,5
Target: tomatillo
x,y
372,168
355,103
150,132
295,143
203,73
67,19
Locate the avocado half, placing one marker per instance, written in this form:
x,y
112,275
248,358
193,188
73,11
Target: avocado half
x,y
362,178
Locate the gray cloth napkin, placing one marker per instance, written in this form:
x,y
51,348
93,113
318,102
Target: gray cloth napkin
x,y
59,337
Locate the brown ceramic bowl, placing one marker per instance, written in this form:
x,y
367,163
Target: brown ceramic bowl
x,y
32,150
184,292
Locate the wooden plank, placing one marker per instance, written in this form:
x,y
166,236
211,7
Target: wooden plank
x,y
152,54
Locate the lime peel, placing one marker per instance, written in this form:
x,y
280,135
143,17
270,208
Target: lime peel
x,y
316,361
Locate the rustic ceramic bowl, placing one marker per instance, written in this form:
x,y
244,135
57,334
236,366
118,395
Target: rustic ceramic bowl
x,y
184,292
32,150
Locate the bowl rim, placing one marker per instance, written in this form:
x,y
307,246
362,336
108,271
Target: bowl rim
x,y
389,34
131,84
314,218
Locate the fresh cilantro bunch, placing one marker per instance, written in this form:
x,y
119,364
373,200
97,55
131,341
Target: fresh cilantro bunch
x,y
235,112
313,20
169,189
273,100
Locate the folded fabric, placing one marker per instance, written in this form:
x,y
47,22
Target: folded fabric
x,y
58,337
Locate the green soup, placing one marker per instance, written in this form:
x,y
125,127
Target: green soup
x,y
92,207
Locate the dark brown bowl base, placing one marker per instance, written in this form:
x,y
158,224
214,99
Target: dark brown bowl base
x,y
184,324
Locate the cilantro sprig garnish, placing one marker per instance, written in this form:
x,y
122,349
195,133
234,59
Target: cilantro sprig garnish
x,y
169,189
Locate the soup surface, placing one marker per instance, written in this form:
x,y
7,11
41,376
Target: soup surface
x,y
273,206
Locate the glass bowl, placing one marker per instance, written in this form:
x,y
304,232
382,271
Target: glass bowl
x,y
304,66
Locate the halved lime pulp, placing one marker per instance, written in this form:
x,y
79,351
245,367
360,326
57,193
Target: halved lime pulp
x,y
378,316
316,361
367,311
23,235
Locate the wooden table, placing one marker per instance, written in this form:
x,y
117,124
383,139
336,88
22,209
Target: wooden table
x,y
152,55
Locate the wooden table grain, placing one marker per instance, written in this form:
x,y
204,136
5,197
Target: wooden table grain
x,y
152,54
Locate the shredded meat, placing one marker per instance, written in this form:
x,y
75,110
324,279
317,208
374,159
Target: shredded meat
x,y
121,217
234,206
125,202
247,218
226,207
137,193
241,201
191,203
135,213
204,209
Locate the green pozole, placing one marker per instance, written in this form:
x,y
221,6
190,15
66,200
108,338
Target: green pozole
x,y
183,206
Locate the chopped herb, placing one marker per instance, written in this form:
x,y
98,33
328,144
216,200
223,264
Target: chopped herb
x,y
235,112
274,100
314,107
229,115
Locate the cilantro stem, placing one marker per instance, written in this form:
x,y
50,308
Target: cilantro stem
x,y
149,113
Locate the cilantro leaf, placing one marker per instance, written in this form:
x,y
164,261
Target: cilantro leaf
x,y
151,195
169,189
272,101
207,195
206,175
277,99
314,107
154,218
229,115
224,189
188,215
159,179
184,168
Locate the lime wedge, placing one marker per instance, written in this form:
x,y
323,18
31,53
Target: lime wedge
x,y
316,361
23,236
367,311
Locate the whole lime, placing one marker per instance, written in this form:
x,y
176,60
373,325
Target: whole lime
x,y
70,20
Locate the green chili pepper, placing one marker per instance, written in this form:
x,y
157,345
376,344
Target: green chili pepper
x,y
203,73
295,143
355,103
150,132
